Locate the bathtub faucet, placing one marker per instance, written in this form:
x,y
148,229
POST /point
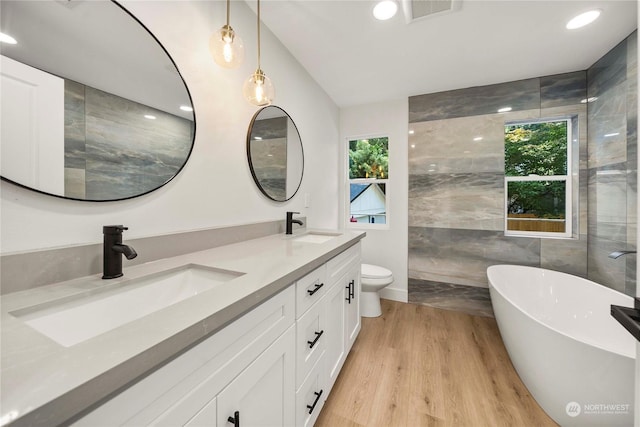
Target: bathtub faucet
x,y
618,254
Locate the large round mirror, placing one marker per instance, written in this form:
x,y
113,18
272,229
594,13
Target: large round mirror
x,y
275,153
92,107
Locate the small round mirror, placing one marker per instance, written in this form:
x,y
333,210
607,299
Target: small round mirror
x,y
275,154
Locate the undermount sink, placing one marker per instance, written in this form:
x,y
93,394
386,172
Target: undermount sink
x,y
316,237
76,319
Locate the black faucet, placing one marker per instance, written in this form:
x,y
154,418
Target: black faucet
x,y
113,249
291,221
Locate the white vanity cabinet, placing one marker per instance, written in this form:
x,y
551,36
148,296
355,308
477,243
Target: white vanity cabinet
x,y
343,306
250,358
274,366
263,393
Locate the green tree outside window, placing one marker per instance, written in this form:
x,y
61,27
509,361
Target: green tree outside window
x,y
369,158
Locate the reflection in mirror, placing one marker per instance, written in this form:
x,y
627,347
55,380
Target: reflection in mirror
x,y
275,154
110,116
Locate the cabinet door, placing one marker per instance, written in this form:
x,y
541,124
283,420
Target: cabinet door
x,y
264,393
352,306
336,328
206,417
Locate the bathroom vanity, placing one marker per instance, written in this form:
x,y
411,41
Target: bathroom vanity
x,y
262,340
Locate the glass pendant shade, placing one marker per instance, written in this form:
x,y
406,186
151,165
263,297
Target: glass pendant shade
x,y
226,47
258,89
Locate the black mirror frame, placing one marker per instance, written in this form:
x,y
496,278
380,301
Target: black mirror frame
x,y
253,172
193,140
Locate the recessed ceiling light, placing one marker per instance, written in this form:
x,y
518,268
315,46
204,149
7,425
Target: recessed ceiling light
x,y
413,145
411,132
591,99
504,110
385,9
6,38
149,116
583,19
186,108
609,135
257,138
477,138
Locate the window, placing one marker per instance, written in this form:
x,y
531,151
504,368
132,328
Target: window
x,y
368,178
538,197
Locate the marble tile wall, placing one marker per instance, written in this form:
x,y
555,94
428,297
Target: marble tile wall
x,y
101,129
456,188
612,166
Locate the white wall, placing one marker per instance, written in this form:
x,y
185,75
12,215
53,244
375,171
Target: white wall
x,y
215,188
386,247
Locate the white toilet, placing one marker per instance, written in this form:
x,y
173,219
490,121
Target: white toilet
x,y
372,279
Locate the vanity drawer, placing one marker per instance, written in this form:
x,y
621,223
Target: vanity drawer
x,y
311,340
310,289
311,395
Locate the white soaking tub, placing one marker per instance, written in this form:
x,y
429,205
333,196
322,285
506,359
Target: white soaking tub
x,y
573,357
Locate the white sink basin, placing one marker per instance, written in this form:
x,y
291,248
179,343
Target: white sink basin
x,y
316,237
77,319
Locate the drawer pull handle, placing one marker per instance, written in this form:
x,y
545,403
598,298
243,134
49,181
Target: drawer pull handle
x,y
314,290
315,340
315,402
351,291
235,420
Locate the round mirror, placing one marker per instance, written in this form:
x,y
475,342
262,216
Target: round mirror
x,y
92,107
275,154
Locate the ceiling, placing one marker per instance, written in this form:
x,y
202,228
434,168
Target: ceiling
x,y
359,60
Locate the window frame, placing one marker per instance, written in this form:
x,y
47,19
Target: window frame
x,y
349,181
568,179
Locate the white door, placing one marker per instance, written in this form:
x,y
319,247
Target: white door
x,y
352,306
31,126
335,331
264,393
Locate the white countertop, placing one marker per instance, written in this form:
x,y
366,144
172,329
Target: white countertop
x,y
45,383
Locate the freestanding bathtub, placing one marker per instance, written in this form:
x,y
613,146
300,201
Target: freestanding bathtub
x,y
574,358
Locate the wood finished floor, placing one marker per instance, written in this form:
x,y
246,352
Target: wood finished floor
x,y
422,366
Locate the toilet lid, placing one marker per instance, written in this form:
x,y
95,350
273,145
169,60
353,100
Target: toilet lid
x,y
374,271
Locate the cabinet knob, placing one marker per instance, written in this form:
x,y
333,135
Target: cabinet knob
x,y
235,420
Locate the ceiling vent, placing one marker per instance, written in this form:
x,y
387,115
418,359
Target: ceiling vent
x,y
419,9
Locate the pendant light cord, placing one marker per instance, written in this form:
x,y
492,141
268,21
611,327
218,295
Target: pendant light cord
x,y
258,34
228,7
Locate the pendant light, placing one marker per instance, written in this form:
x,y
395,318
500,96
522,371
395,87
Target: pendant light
x,y
226,47
258,89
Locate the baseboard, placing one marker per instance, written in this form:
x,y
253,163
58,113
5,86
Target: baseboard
x,y
400,295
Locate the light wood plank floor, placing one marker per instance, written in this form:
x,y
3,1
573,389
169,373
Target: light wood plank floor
x,y
422,366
